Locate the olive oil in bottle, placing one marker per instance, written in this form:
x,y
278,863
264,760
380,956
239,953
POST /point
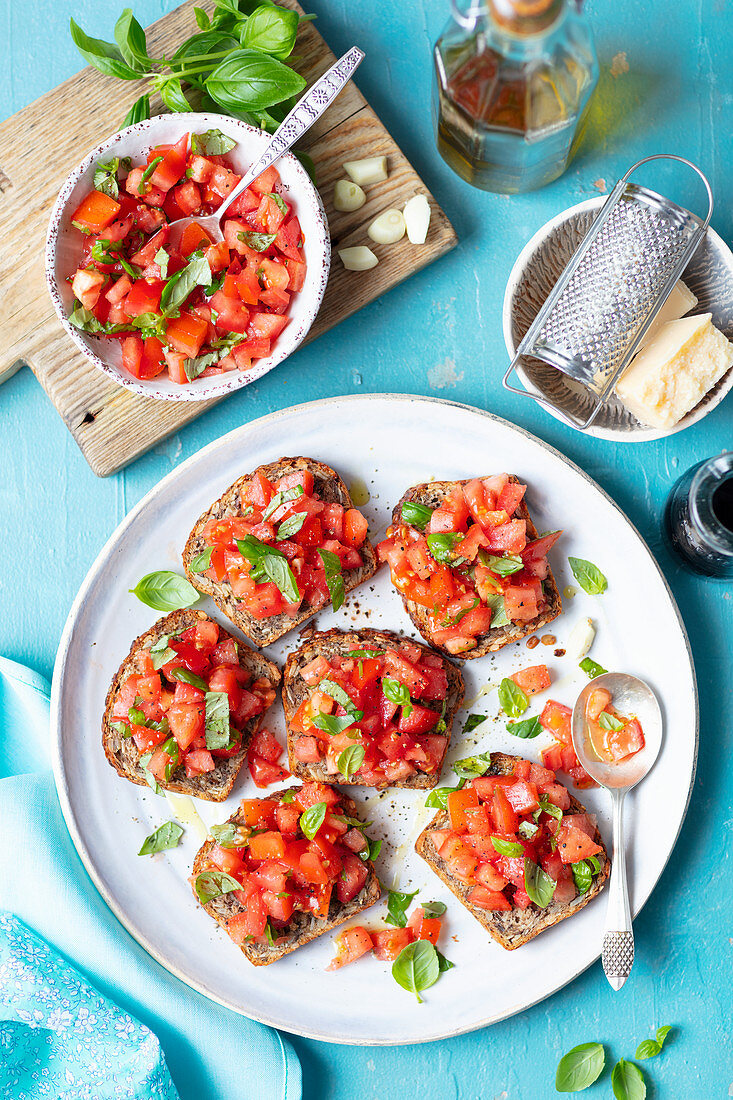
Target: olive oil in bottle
x,y
513,79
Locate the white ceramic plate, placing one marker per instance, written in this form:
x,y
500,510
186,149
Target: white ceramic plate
x,y
389,442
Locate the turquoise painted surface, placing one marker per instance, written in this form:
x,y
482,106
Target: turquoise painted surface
x,y
440,334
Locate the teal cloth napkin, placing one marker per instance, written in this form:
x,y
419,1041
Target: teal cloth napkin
x,y
93,1016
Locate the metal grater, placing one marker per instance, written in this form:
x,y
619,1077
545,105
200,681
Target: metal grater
x,y
622,273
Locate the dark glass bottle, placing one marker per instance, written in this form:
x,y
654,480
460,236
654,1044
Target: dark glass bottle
x,y
512,83
698,519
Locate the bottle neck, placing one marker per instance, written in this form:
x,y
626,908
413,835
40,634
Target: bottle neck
x,y
525,18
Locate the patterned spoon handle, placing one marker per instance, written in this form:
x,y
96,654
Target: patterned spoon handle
x,y
303,115
618,938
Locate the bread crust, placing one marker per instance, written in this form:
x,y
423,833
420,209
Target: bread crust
x,y
305,926
432,494
515,927
332,489
124,755
329,643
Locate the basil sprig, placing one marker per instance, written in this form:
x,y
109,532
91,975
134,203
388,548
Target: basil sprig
x,y
334,577
350,760
512,699
417,967
165,591
588,576
269,564
398,903
212,884
591,668
580,1067
397,693
312,819
417,515
538,884
164,837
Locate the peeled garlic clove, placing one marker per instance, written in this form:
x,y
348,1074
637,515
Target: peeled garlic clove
x,y
417,219
366,171
388,228
347,196
580,640
358,258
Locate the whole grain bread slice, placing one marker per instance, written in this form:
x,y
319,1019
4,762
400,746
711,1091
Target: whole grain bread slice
x,y
124,755
511,928
432,494
331,643
302,927
331,489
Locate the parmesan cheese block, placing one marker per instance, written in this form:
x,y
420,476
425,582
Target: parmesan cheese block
x,y
674,372
680,302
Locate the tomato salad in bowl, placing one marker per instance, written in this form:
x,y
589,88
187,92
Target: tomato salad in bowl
x,y
199,319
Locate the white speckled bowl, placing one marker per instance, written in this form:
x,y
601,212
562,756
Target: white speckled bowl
x,y
709,275
64,246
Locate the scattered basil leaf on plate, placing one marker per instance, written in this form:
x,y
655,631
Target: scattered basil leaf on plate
x,y
434,908
443,963
530,727
334,577
417,515
164,837
588,576
591,668
165,591
212,884
627,1081
580,1067
397,906
512,699
312,819
473,721
350,760
538,884
416,967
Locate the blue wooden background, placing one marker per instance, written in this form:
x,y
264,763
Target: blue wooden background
x,y
439,333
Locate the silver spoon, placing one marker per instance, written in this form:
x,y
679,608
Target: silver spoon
x,y
303,115
630,696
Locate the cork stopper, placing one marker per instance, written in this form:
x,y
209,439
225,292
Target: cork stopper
x,y
525,17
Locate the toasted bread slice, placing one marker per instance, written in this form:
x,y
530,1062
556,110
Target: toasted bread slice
x,y
336,642
432,494
122,752
331,489
302,927
511,928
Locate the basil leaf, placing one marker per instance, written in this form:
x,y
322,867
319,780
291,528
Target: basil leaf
x,y
547,807
433,908
397,693
442,545
312,819
258,242
150,779
580,1067
196,273
627,1081
191,678
121,728
375,847
473,721
85,320
279,201
217,720
609,721
147,174
202,561
291,526
662,1032
591,668
130,37
270,564
417,515
362,654
171,748
397,906
202,19
250,80
497,604
337,693
288,796
271,30
512,699
165,591
530,727
416,967
472,766
197,366
139,111
230,835
649,1048
588,576
165,836
443,963
334,577
508,847
212,884
527,830
503,567
538,884
102,55
335,724
438,797
170,91
162,259
582,876
162,656
105,178
282,498
212,143
350,760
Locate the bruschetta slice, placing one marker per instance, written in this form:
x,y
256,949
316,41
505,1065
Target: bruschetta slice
x,y
469,565
369,707
279,545
284,869
517,850
184,706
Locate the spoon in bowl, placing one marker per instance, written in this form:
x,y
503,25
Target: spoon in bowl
x,y
633,697
304,114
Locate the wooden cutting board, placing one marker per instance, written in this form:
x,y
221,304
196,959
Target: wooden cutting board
x,y
43,142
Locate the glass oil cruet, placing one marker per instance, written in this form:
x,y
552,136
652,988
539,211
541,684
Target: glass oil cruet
x,y
513,79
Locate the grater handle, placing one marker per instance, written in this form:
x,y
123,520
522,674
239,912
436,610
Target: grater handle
x,y
571,421
682,160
